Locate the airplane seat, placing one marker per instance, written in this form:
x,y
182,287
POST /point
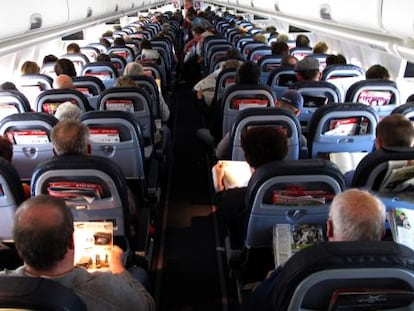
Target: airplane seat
x,y
406,109
267,63
11,196
157,70
88,85
149,84
126,52
101,48
321,57
315,95
280,79
49,100
257,53
215,51
91,52
240,96
362,275
48,69
220,61
242,41
383,95
31,85
106,72
271,117
344,127
342,71
300,52
136,101
78,59
33,293
224,79
212,40
248,47
266,205
118,62
101,178
13,102
30,135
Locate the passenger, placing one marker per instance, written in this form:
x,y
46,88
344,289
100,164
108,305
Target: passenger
x,y
393,131
105,42
282,38
260,37
73,48
6,152
206,87
320,48
289,61
136,69
43,236
280,48
65,66
147,52
125,81
335,60
63,81
354,215
307,69
302,41
67,110
261,145
48,59
29,67
377,72
8,86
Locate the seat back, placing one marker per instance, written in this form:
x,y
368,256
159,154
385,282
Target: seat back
x,y
406,109
30,293
225,78
258,52
300,52
315,95
238,97
271,117
342,128
273,180
150,86
104,177
382,95
90,52
88,85
267,63
280,79
248,47
30,133
49,100
134,100
11,196
126,52
342,71
79,60
312,278
119,63
32,85
102,70
116,135
13,102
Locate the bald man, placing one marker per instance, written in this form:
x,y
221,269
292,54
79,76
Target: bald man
x,y
63,82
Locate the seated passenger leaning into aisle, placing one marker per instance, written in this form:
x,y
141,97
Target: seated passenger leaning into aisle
x,y
261,145
354,215
43,235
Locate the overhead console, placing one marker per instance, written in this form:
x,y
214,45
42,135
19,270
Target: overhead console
x,y
384,24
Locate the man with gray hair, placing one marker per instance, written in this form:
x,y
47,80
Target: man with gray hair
x,y
354,215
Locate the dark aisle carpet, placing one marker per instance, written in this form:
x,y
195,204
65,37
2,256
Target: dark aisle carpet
x,y
190,277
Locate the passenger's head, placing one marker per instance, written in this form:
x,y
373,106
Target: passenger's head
x,y
335,60
260,38
248,73
282,37
394,130
320,48
8,86
308,69
73,48
302,41
133,69
125,81
70,137
6,148
291,100
356,215
103,58
49,59
280,48
43,231
263,144
146,44
63,81
29,67
119,42
65,66
288,61
105,42
377,72
233,53
67,110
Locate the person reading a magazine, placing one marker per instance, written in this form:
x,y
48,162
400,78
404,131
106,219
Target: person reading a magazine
x,y
354,215
43,235
261,145
393,131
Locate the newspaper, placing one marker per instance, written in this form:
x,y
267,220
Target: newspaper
x,y
347,161
399,177
401,222
236,174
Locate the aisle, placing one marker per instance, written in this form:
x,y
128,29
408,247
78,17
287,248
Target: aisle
x,y
189,276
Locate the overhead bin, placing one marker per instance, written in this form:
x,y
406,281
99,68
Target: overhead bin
x,y
398,17
309,9
79,10
246,3
267,6
20,17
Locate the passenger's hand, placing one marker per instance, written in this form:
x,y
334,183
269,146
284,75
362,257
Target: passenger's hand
x,y
200,94
117,265
220,175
